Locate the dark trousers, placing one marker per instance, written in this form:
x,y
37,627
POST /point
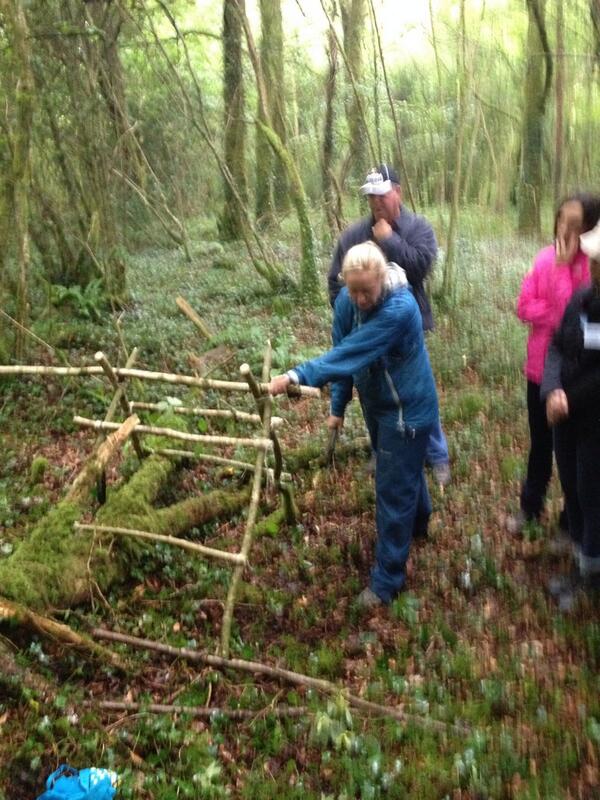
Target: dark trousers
x,y
539,464
578,459
402,502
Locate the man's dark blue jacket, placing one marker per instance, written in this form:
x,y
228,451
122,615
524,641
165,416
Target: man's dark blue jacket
x,y
412,246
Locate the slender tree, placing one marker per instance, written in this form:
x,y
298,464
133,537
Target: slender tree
x,y
232,220
271,181
353,25
559,102
538,79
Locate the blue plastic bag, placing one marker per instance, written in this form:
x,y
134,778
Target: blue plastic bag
x,y
67,783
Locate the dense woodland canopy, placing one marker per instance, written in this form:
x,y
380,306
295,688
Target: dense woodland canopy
x,y
124,122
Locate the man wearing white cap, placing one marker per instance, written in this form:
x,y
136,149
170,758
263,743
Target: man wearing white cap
x,y
409,241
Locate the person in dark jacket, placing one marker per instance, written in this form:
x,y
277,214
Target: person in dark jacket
x,y
407,240
379,348
571,387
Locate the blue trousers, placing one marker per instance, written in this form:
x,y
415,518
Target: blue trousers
x,y
437,446
401,501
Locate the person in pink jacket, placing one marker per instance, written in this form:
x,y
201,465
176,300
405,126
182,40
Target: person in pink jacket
x,y
558,271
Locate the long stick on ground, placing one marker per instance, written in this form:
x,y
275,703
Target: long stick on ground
x,y
165,377
279,674
99,425
174,541
200,711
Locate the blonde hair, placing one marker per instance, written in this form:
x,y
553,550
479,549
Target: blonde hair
x,y
365,257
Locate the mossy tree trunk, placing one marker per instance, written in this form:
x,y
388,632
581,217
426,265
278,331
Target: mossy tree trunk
x,y
538,78
353,23
232,219
330,194
309,274
271,182
20,171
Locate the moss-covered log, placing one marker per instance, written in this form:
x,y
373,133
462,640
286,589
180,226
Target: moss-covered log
x,y
55,566
50,568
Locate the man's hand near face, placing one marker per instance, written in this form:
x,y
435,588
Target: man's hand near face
x,y
382,230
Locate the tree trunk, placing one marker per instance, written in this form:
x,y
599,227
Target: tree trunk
x,y
353,24
559,137
538,77
271,182
332,212
21,155
232,220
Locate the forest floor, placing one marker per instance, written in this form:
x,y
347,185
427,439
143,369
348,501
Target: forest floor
x,y
474,644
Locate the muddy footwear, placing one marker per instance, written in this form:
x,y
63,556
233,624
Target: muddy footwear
x,y
367,600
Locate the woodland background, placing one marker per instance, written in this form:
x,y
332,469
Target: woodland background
x,y
214,150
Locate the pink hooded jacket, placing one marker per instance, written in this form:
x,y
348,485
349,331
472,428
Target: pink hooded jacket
x,y
545,292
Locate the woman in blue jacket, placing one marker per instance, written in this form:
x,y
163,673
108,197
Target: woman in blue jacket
x,y
379,348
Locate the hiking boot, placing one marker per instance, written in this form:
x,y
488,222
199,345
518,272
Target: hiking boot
x,y
441,473
368,600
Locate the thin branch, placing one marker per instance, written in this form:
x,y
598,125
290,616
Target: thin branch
x,y
174,541
262,445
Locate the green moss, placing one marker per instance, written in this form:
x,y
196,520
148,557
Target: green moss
x,y
46,568
38,468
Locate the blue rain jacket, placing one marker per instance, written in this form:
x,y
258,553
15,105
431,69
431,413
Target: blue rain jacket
x,y
382,352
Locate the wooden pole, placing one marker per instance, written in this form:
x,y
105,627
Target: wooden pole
x,y
250,522
96,464
261,444
221,413
122,398
142,374
186,308
174,541
210,459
